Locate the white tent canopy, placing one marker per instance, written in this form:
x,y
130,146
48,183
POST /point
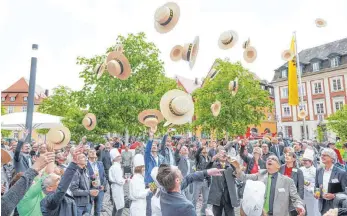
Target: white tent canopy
x,y
16,121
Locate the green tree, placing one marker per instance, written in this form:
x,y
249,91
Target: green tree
x,y
4,133
117,103
63,103
238,112
337,122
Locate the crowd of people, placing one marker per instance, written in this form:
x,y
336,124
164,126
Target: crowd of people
x,y
169,177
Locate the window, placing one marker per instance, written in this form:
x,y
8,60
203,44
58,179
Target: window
x,y
10,109
24,108
3,99
315,66
286,110
284,92
302,90
302,132
320,108
334,62
338,103
12,98
318,89
271,91
284,73
337,84
25,98
287,131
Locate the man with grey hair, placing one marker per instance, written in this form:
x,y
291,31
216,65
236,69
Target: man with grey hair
x,y
327,175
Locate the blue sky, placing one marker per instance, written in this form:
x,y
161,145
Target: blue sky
x,y
65,29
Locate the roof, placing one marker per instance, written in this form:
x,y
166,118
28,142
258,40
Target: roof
x,y
22,86
322,51
189,85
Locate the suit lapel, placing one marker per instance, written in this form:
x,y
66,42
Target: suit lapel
x,y
333,174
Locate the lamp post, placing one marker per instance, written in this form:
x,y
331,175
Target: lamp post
x,y
31,96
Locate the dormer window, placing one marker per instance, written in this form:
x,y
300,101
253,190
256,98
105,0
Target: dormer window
x,y
25,99
12,99
3,99
284,73
316,66
334,62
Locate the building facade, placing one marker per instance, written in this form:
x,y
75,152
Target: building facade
x,y
324,83
15,99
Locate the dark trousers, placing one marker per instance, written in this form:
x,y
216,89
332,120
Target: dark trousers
x,y
98,203
228,209
116,212
327,204
148,204
81,210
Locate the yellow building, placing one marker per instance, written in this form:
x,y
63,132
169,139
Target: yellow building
x,y
15,99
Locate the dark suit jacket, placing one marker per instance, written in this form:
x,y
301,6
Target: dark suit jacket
x,y
102,174
336,173
298,178
105,158
21,163
80,188
280,148
182,163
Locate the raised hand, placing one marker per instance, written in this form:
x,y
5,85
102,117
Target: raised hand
x,y
43,160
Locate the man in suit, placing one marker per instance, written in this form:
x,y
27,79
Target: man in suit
x,y
223,193
98,177
277,149
280,190
166,149
22,158
105,158
329,174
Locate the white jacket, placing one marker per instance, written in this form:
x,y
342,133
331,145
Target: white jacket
x,y
138,193
117,182
309,200
155,204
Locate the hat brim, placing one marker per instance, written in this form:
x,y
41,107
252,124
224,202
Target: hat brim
x,y
250,59
246,44
168,115
50,135
286,52
194,53
320,23
148,112
231,44
100,70
93,118
5,157
126,65
215,112
174,57
166,124
176,15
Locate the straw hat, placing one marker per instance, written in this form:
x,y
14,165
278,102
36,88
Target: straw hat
x,y
99,70
190,52
176,53
302,114
118,65
138,160
227,39
167,124
5,156
177,107
166,17
250,54
246,44
89,121
320,22
287,55
215,108
150,117
234,86
58,138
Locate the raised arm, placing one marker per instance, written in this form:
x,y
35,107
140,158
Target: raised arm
x,y
196,176
163,145
18,149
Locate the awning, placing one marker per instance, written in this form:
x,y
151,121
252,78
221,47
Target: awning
x,y
12,94
3,95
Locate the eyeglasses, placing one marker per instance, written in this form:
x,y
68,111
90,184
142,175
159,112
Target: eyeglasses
x,y
272,158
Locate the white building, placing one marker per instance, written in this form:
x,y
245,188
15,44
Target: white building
x,y
324,86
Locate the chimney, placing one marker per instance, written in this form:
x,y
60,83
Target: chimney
x,y
46,92
196,81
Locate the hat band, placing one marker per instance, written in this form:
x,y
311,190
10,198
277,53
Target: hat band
x,y
189,51
63,136
172,110
234,86
169,19
121,66
91,121
229,41
150,116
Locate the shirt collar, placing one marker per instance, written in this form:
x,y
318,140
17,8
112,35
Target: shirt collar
x,y
331,168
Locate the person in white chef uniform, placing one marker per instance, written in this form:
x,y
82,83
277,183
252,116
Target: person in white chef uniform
x,y
137,188
309,181
117,182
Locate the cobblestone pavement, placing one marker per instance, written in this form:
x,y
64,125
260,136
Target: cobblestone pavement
x,y
109,207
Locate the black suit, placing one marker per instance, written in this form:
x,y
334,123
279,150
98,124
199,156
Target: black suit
x,y
278,151
105,158
21,162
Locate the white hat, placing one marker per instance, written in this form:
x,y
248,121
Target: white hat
x,y
320,22
253,198
166,17
177,107
138,160
227,39
250,54
114,153
176,53
190,52
308,155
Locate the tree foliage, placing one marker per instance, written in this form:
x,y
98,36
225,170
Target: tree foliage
x,y
238,112
4,133
337,122
117,103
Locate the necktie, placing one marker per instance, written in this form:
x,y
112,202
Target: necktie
x,y
267,199
278,152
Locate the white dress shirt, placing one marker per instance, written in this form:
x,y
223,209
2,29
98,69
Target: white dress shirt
x,y
326,178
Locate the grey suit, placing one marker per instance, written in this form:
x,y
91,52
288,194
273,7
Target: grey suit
x,y
336,173
21,162
285,193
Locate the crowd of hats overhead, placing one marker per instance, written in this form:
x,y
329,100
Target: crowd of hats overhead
x,y
176,106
